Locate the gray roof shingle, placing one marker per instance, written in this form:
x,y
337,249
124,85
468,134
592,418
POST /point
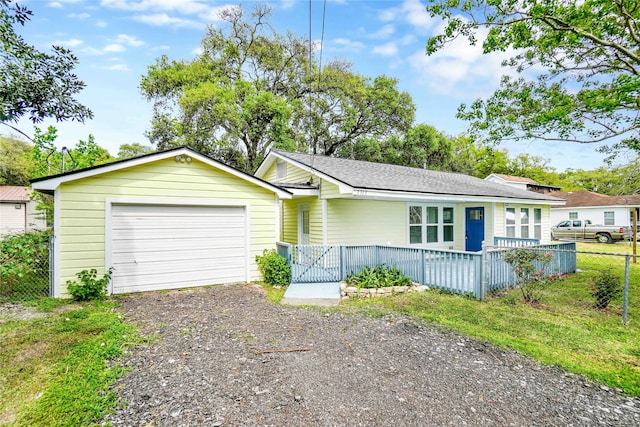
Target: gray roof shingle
x,y
382,176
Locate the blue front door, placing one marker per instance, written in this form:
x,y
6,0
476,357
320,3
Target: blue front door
x,y
474,229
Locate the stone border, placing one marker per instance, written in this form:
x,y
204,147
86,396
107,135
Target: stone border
x,y
347,291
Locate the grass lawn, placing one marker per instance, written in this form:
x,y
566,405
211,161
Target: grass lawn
x,y
563,330
57,370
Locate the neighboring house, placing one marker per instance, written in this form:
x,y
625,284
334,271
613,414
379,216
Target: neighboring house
x,y
522,183
165,220
599,208
18,212
342,201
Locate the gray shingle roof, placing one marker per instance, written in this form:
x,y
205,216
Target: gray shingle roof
x,y
382,176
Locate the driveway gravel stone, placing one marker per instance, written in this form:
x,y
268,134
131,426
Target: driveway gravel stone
x,y
224,356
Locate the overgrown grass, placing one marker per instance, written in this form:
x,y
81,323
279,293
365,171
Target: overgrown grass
x,y
57,370
563,330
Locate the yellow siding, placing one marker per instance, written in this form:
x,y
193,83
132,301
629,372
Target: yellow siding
x,y
293,175
366,222
290,219
297,175
270,176
329,190
82,207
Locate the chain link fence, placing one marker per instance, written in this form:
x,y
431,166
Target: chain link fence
x,y
606,283
25,266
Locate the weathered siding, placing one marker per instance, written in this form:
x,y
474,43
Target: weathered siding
x,y
82,207
26,218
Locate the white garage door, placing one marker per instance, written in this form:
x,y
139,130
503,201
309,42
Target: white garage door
x,y
169,247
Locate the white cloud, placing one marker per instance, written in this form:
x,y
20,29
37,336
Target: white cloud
x,y
183,6
162,19
113,47
344,44
460,69
384,32
128,40
117,67
288,4
197,51
79,15
213,13
55,4
101,24
413,12
387,49
67,43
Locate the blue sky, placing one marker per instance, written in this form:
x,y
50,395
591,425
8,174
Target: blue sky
x,y
116,40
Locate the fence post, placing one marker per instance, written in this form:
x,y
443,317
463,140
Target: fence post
x,y
484,272
423,267
625,306
51,263
342,262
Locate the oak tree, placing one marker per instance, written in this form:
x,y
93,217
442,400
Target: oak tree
x,y
583,56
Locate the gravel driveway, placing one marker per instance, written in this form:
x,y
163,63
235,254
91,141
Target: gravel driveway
x,y
224,356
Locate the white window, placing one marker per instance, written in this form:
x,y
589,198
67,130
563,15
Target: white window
x,y
537,223
573,215
431,224
510,218
609,218
523,222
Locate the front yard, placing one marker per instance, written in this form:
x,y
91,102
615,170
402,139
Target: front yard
x,y
564,329
61,367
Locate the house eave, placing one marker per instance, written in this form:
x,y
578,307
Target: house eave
x,y
361,193
343,187
49,185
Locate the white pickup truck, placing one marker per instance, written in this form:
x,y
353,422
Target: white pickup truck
x,y
576,229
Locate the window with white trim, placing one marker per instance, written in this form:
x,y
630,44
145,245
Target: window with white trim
x,y
431,224
510,222
573,215
523,222
537,223
609,218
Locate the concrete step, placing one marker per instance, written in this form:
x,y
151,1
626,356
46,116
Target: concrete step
x,y
325,294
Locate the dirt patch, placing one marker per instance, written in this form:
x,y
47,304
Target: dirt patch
x,y
214,363
16,311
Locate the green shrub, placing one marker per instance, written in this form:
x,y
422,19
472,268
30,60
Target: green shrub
x,y
24,264
379,276
274,268
605,287
90,288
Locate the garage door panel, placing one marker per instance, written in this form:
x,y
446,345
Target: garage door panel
x,y
168,247
172,256
131,271
158,234
131,246
180,223
168,210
